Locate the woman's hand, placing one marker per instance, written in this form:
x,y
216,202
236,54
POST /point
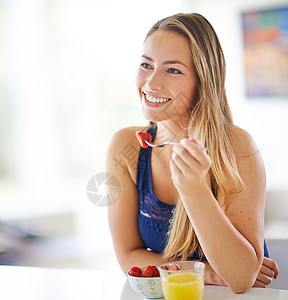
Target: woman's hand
x,y
189,166
268,270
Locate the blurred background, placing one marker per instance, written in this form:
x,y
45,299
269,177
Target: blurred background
x,y
67,73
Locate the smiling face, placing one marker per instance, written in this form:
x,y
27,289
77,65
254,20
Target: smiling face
x,y
166,79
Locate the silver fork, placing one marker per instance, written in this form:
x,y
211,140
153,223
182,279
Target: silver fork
x,y
164,144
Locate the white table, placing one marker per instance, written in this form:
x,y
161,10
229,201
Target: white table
x,y
68,284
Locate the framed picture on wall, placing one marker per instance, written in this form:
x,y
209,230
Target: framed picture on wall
x,y
265,37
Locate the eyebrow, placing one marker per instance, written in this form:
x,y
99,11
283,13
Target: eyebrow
x,y
168,62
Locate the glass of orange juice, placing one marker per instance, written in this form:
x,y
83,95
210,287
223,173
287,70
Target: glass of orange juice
x,y
182,280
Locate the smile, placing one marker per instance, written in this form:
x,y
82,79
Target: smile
x,y
152,99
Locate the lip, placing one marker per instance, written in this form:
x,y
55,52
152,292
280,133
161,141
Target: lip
x,y
154,104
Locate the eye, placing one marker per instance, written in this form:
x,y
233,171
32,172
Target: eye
x,y
145,66
174,71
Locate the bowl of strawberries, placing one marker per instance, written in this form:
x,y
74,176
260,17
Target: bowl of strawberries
x,y
146,281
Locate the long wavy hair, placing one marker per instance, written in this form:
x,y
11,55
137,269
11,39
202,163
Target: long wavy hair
x,y
209,122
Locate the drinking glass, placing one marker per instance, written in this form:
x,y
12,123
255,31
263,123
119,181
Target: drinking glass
x,y
186,283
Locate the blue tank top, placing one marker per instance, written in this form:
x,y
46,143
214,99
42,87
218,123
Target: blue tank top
x,y
155,217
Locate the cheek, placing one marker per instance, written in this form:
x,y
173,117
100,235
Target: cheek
x,y
186,97
192,92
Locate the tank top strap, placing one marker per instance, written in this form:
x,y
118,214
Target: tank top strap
x,y
152,130
144,160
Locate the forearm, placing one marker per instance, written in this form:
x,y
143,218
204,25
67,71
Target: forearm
x,y
139,258
143,257
211,277
226,249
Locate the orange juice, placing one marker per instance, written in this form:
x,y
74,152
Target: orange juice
x,y
183,286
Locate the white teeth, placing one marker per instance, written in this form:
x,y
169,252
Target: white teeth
x,y
156,100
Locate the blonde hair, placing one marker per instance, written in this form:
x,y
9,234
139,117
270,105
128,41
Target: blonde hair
x,y
209,120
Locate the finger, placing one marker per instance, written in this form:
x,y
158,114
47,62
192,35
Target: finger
x,y
179,161
187,158
197,151
271,264
175,171
181,165
259,284
267,271
264,278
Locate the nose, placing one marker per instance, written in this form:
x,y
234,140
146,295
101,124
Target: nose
x,y
155,81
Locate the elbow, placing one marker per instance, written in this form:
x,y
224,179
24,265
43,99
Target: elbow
x,y
241,286
245,279
124,265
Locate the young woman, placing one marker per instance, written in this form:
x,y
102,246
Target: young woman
x,y
203,199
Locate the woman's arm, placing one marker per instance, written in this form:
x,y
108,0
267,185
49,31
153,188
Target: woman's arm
x,y
268,270
128,244
232,243
123,214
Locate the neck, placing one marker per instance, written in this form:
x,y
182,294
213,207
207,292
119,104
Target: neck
x,y
170,130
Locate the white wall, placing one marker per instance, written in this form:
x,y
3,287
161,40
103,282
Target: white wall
x,y
265,119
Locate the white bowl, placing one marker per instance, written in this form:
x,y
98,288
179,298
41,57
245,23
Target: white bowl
x,y
149,287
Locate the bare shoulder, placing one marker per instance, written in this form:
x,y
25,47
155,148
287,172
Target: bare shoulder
x,y
125,138
123,151
241,141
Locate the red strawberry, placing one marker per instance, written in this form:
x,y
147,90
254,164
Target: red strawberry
x,y
142,137
174,267
148,272
154,268
156,273
135,271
